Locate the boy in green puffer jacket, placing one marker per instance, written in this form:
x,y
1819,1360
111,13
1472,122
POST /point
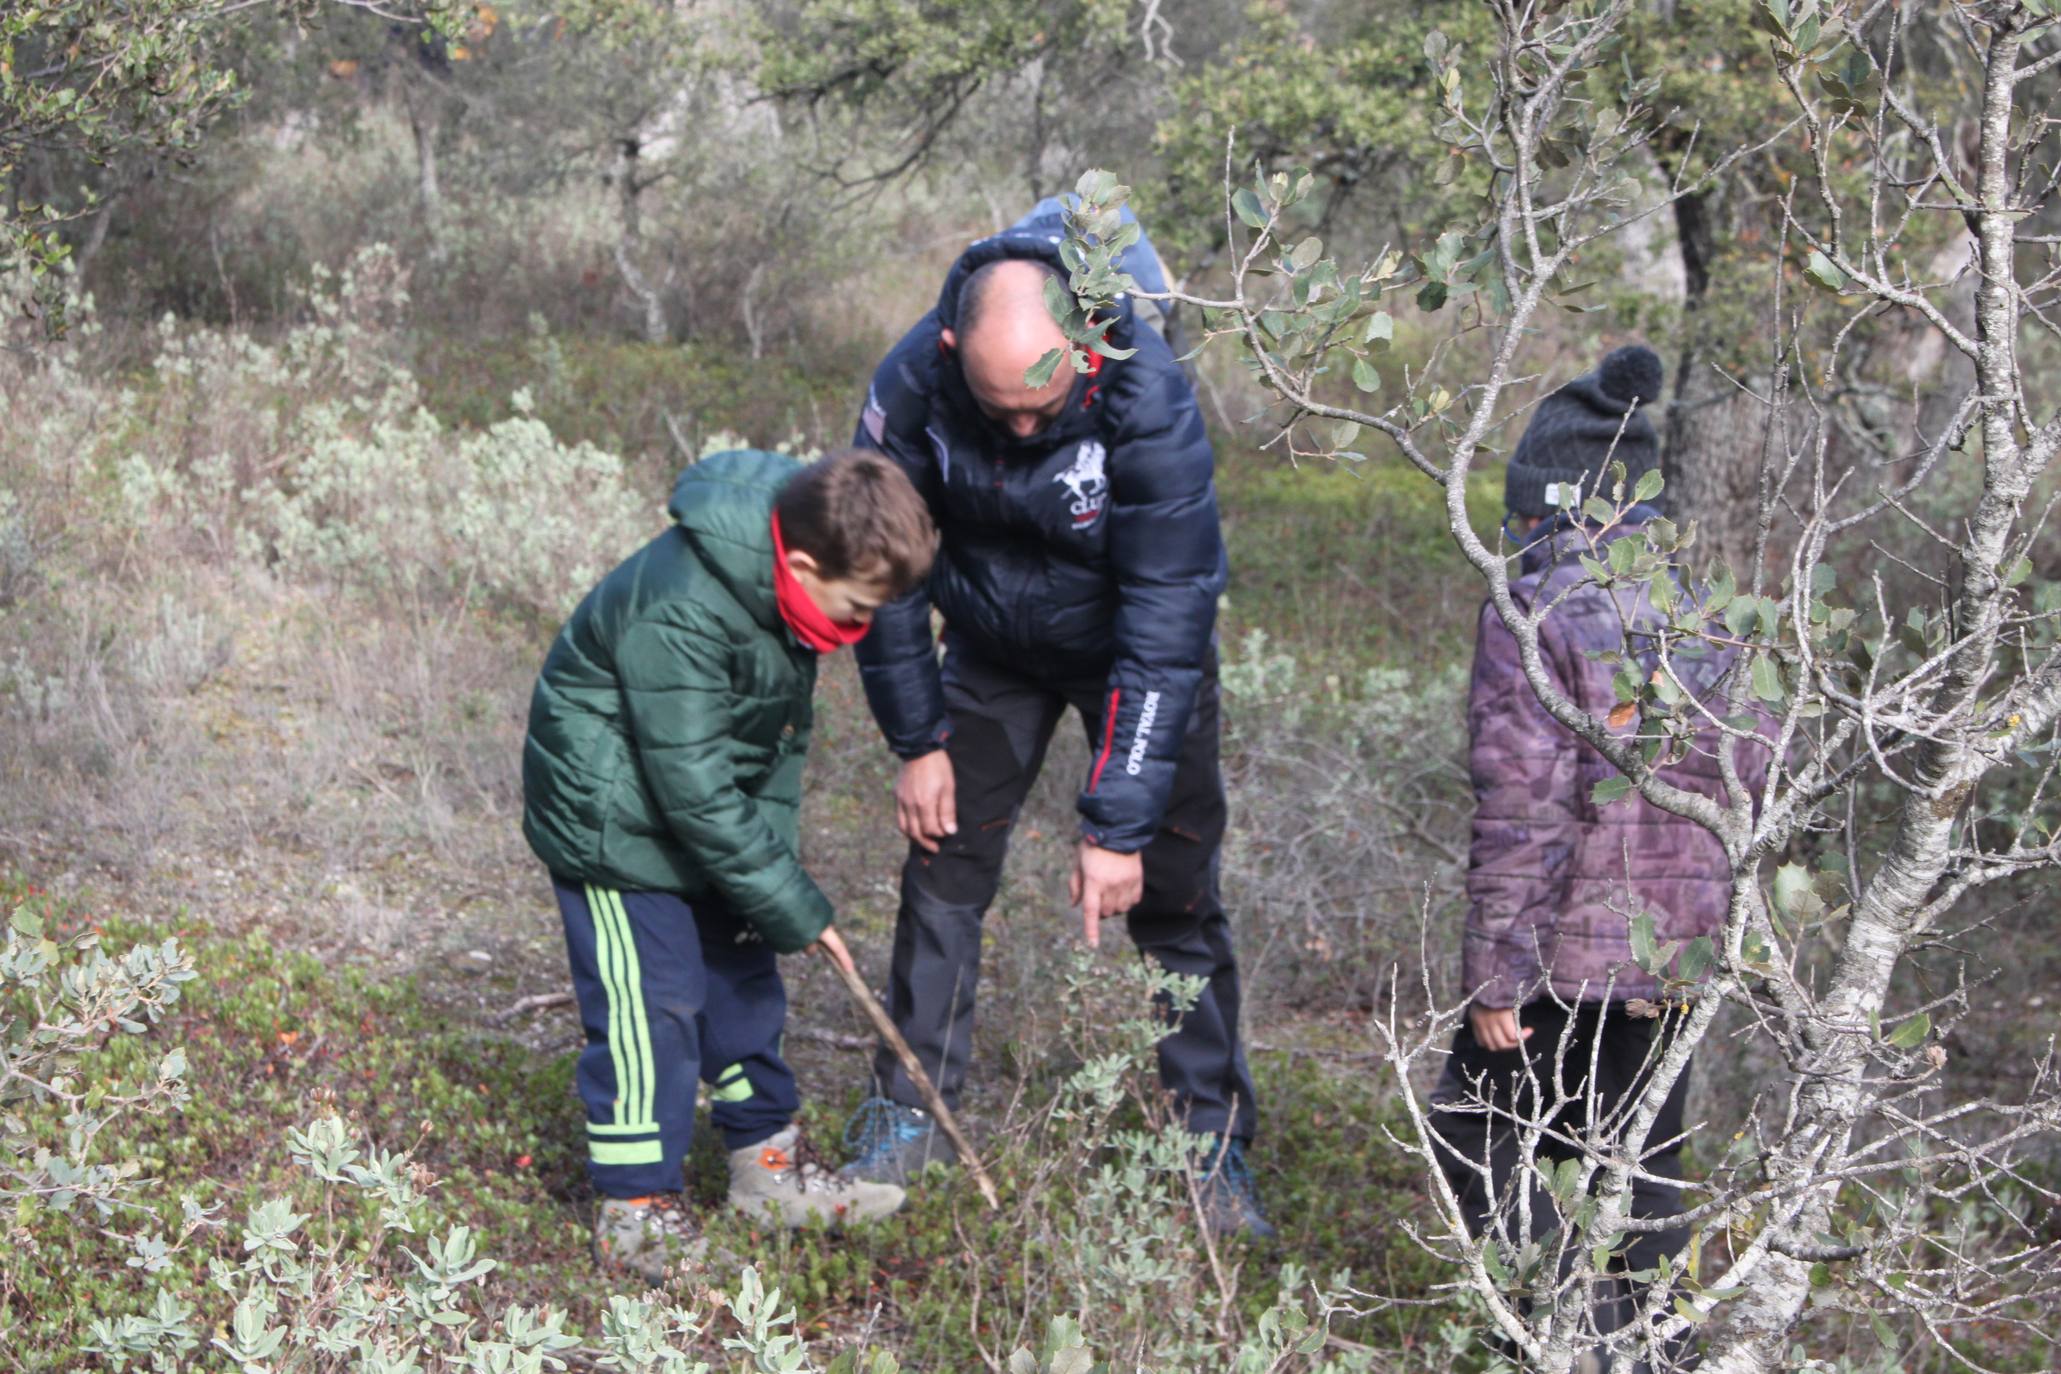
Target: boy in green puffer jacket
x,y
661,780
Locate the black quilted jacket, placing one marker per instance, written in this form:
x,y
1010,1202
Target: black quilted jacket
x,y
1092,549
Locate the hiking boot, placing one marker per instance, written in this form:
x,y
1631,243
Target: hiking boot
x,y
771,1178
1230,1196
646,1236
890,1143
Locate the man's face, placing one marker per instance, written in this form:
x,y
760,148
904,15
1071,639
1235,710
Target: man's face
x,y
1009,405
1016,329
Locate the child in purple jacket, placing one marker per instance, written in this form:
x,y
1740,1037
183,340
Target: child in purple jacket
x,y
1554,878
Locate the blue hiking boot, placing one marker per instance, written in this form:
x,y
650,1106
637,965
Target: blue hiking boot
x,y
891,1143
1230,1195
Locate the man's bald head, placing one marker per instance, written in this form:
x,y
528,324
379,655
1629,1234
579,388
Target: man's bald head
x,y
1004,328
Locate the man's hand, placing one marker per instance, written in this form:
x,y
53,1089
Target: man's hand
x,y
834,944
1105,883
1496,1028
926,801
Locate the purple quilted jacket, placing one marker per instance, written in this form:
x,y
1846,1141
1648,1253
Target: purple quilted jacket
x,y
1553,879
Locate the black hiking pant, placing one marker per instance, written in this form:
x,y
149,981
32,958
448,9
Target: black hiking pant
x,y
1621,1049
1001,723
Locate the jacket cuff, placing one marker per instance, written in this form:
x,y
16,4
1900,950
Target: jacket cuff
x,y
1115,841
929,743
798,926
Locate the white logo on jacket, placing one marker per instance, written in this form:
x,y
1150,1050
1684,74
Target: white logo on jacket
x,y
1086,483
1147,713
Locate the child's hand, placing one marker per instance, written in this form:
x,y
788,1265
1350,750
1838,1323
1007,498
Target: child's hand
x,y
1496,1029
834,943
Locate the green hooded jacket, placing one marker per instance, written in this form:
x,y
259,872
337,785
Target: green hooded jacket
x,y
669,725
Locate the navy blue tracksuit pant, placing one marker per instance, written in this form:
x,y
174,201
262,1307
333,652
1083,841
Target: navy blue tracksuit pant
x,y
671,994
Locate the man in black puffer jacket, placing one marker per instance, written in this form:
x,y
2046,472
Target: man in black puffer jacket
x,y
1080,564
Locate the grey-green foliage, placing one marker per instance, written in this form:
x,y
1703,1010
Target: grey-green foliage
x,y
364,486
62,998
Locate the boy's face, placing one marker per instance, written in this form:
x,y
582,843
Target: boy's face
x,y
846,600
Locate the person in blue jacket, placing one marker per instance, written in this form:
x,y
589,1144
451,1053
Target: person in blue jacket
x,y
1080,563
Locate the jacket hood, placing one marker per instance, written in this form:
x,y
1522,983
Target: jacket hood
x,y
724,505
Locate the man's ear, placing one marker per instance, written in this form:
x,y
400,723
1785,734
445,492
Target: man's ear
x,y
948,338
800,564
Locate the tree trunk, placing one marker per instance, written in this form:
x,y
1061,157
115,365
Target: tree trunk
x,y
422,80
1715,432
424,119
630,242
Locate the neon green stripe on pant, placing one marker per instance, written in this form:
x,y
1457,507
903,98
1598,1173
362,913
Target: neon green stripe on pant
x,y
604,960
626,1151
732,1085
643,1107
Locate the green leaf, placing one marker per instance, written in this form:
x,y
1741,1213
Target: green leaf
x,y
1825,272
1912,633
1432,296
1610,790
1246,206
28,922
1699,956
1911,1033
2017,572
1040,373
1364,375
1643,941
1650,483
1770,612
1492,1261
1306,253
1767,682
1795,894
1380,330
1598,510
1059,301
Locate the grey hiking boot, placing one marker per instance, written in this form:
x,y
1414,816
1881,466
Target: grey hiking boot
x,y
646,1236
771,1179
1230,1196
891,1143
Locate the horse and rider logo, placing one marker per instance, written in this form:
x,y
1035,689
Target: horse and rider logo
x,y
1087,484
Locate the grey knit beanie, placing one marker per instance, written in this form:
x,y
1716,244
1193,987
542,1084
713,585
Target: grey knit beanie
x,y
1574,434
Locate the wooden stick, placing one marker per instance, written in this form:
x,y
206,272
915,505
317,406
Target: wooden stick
x,y
877,1014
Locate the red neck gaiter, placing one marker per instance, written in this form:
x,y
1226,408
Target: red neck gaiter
x,y
802,614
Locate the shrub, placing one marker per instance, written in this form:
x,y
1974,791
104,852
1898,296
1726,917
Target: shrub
x,y
63,997
311,456
1352,805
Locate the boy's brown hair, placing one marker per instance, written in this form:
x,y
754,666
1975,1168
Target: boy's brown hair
x,y
857,514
